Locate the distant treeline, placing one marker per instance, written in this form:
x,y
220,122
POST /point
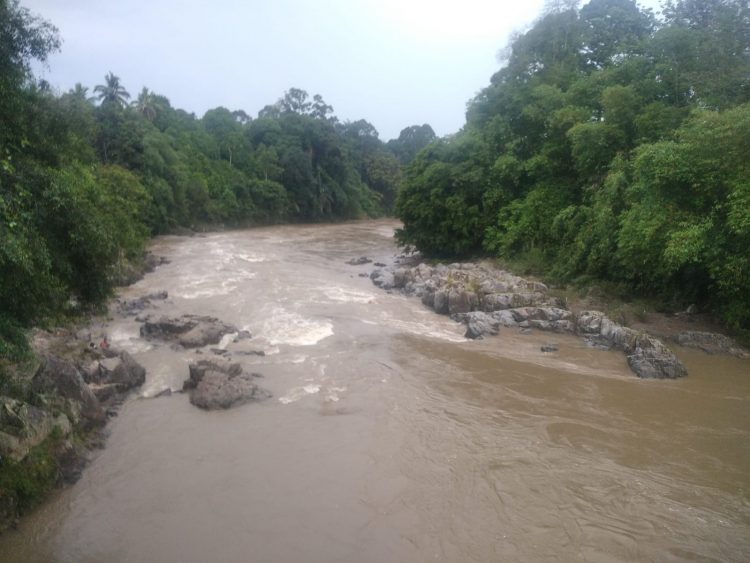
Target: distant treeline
x,y
87,176
613,146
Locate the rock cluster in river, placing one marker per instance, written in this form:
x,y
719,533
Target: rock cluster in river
x,y
220,384
486,298
74,388
190,331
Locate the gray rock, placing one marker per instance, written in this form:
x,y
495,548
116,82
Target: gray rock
x,y
382,279
134,306
23,426
198,369
191,331
505,318
549,348
461,301
122,371
359,261
440,302
479,324
61,378
651,359
216,384
401,277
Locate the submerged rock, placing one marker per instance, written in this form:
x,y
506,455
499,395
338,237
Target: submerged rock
x,y
359,261
135,306
711,343
216,384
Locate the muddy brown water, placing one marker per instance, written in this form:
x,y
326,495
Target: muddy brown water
x,y
392,438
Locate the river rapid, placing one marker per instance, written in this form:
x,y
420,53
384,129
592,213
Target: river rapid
x,y
390,437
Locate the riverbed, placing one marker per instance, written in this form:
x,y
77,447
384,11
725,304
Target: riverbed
x,y
391,437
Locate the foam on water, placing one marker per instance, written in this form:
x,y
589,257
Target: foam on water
x,y
129,339
296,393
250,258
429,328
343,295
211,285
288,327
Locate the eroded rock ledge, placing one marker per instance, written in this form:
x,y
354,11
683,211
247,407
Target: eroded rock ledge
x,y
485,299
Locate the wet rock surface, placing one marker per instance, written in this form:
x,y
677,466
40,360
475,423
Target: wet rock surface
x,y
190,331
219,384
485,298
359,261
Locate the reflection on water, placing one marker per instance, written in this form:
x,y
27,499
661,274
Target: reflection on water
x,y
392,438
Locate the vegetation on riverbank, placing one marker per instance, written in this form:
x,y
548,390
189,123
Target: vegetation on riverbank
x,y
87,176
612,147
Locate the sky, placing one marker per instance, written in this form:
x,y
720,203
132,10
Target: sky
x,y
394,63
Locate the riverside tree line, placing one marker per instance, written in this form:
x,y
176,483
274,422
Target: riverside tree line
x,y
613,145
88,176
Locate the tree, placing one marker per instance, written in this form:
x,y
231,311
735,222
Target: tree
x,y
112,92
410,141
145,104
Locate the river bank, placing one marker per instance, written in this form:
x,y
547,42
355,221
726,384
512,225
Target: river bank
x,y
385,433
485,298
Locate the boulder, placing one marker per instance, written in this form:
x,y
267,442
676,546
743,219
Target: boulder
x,y
191,331
461,301
122,371
382,279
401,277
61,377
440,302
23,426
216,384
135,306
359,261
650,359
647,356
478,324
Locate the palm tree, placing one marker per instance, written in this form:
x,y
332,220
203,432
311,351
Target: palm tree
x,y
145,104
112,92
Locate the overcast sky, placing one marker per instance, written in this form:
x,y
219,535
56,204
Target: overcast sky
x,y
394,63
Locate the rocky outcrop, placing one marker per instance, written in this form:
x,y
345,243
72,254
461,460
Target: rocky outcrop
x,y
711,343
485,299
219,384
190,331
60,379
24,426
114,375
647,356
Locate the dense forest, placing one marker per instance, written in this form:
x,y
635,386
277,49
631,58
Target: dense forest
x,y
87,176
613,146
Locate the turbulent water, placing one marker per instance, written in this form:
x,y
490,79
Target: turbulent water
x,y
392,438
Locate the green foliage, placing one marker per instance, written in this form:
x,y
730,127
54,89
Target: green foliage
x,y
82,186
28,481
611,146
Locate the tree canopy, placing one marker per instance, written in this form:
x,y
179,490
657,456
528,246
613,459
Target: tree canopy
x,y
612,145
85,180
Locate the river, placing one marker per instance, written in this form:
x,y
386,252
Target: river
x,y
390,437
